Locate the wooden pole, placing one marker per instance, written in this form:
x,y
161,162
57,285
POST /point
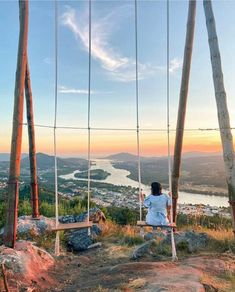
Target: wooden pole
x,y
183,103
4,275
222,108
10,230
32,145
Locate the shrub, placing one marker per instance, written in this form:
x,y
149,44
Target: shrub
x,y
132,240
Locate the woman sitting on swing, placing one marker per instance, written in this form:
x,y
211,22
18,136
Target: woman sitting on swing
x,y
159,206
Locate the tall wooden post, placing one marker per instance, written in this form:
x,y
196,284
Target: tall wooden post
x,y
32,146
14,172
222,108
183,103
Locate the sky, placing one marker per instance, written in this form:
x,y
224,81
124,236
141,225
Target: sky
x,y
113,100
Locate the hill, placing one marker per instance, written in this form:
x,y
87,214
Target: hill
x,y
6,156
45,162
198,173
122,156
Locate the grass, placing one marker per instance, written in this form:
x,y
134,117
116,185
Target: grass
x,y
45,241
224,282
124,235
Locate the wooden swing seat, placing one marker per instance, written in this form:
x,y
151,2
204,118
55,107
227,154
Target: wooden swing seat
x,y
144,223
77,225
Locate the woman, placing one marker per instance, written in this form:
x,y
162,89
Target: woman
x,y
158,204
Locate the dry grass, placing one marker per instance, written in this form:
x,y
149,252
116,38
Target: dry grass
x,y
137,283
219,234
110,229
220,284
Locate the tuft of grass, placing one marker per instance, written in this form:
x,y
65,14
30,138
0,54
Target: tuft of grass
x,y
45,241
101,289
221,240
132,240
111,229
159,249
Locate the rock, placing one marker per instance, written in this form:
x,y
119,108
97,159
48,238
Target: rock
x,y
79,240
95,245
142,250
189,240
148,236
96,216
210,288
33,227
159,235
26,265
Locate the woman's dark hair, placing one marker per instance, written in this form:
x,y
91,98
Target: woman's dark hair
x,y
156,188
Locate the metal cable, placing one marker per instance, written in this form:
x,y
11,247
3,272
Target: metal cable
x,y
126,129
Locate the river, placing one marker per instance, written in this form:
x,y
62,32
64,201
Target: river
x,y
119,177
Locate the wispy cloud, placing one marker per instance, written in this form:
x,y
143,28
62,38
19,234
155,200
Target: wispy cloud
x,y
175,65
119,67
47,61
67,90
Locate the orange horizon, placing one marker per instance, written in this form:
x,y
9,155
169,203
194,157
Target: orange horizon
x,y
150,144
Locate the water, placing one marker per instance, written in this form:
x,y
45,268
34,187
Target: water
x,y
119,177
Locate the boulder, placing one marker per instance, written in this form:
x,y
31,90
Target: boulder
x,y
189,240
158,235
96,216
26,266
142,250
79,240
28,225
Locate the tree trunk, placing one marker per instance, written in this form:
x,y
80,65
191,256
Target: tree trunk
x,y
222,109
32,146
14,171
183,103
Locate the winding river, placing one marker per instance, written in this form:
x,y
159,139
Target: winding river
x,y
119,177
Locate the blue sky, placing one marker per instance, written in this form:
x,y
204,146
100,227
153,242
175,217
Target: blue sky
x,y
113,64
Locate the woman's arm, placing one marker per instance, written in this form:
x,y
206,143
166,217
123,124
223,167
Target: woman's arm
x,y
168,206
169,213
142,195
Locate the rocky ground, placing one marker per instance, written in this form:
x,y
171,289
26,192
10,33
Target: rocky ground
x,y
110,269
25,268
113,259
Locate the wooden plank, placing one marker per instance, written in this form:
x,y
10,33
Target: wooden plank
x,y
77,225
144,223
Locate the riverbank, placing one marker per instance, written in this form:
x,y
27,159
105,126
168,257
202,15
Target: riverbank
x,y
119,180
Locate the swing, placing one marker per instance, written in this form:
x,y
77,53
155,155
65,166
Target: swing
x,y
142,223
88,224
78,225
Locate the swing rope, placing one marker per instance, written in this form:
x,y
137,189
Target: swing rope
x,y
137,108
89,124
173,247
57,242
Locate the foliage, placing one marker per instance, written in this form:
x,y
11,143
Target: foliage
x,y
2,214
98,174
215,222
25,207
123,216
132,240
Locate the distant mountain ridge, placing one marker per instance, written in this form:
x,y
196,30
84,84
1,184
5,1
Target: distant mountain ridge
x,y
6,156
45,161
125,156
122,156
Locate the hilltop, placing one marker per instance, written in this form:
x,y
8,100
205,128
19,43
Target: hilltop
x,y
45,161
